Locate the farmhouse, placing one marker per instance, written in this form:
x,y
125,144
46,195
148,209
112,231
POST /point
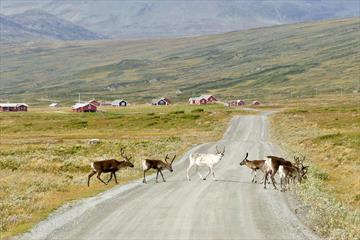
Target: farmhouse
x,y
197,100
161,101
84,107
209,98
235,103
13,107
255,103
203,99
119,103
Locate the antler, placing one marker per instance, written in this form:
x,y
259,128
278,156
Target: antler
x,y
166,157
247,154
299,161
122,153
218,152
173,159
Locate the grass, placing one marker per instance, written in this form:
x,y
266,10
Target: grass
x,y
327,131
45,158
278,62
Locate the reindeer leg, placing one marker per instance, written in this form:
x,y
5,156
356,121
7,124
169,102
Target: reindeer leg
x,y
115,177
207,174
144,180
111,175
90,175
213,173
98,177
162,176
266,179
157,174
273,181
197,170
187,172
254,178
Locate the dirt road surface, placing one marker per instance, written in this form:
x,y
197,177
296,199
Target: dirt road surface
x,y
229,208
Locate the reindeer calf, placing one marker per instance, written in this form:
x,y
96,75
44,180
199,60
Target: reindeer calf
x,y
157,165
254,165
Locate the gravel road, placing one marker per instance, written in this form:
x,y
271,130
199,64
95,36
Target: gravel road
x,y
229,208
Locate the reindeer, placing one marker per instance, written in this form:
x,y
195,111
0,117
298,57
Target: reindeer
x,y
272,166
158,165
204,159
291,172
254,165
273,163
111,166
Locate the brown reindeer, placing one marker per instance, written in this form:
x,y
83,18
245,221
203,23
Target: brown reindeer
x,y
293,173
254,165
272,166
158,165
111,166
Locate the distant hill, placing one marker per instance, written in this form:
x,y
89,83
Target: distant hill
x,y
273,62
127,19
38,24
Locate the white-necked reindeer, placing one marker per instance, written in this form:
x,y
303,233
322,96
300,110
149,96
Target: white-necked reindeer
x,y
204,160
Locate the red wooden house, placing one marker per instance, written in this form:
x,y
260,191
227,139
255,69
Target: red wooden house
x,y
197,100
13,107
203,99
255,103
209,98
84,107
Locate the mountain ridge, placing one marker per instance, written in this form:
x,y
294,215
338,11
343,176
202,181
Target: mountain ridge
x,y
151,19
36,24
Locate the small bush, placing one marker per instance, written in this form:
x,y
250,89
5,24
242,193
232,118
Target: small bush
x,y
178,112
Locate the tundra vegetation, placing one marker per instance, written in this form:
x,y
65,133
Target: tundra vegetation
x,y
45,156
327,131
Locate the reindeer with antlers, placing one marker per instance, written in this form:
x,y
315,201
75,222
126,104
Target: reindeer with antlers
x,y
158,165
296,172
254,165
111,166
206,160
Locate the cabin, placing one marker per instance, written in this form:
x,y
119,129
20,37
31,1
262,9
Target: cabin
x,y
54,105
197,101
13,107
160,102
236,103
255,103
209,98
94,102
84,107
119,103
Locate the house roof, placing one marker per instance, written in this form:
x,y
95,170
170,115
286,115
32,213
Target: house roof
x,y
160,99
54,104
13,104
197,98
79,105
117,101
206,96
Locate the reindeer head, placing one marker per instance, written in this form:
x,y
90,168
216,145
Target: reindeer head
x,y
169,165
299,162
220,153
243,162
127,162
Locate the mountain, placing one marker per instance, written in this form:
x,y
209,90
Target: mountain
x,y
266,63
150,18
38,24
